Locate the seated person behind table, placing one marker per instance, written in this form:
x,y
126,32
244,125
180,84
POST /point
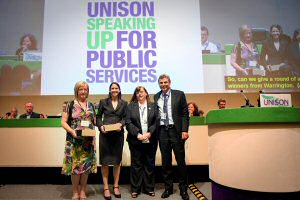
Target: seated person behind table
x,y
205,44
27,42
29,112
193,109
274,53
7,115
64,107
222,103
14,113
245,55
294,53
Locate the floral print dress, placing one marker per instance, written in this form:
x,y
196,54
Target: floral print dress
x,y
80,154
246,55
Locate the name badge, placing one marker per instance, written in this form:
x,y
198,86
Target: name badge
x,y
252,63
84,123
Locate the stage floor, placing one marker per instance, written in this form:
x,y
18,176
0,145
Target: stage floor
x,y
45,191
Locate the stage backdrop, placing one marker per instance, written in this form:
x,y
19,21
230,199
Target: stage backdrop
x,y
130,42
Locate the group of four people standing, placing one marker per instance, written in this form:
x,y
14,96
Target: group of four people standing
x,y
166,120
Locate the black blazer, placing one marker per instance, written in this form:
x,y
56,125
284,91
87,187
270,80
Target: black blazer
x,y
33,115
180,113
274,57
133,122
108,115
294,55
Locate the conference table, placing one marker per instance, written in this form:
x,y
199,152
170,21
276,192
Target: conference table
x,y
254,149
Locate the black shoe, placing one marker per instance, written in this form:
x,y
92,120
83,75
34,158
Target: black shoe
x,y
134,195
117,195
106,197
184,195
167,193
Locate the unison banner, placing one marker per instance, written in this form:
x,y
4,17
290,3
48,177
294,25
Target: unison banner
x,y
129,42
275,100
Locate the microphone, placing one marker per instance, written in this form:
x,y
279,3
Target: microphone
x,y
246,99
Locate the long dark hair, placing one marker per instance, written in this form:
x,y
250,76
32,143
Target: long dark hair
x,y
196,109
32,39
275,26
296,32
119,95
137,90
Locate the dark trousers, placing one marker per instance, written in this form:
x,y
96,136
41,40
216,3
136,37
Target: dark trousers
x,y
142,167
168,141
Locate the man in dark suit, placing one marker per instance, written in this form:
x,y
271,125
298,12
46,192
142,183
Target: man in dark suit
x,y
29,112
172,133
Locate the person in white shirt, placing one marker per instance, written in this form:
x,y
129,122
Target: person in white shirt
x,y
206,45
141,122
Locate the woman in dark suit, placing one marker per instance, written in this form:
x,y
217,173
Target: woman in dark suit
x,y
141,122
294,53
274,53
111,112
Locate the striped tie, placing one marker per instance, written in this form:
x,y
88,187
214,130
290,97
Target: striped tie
x,y
166,97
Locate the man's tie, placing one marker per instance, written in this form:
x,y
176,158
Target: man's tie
x,y
166,97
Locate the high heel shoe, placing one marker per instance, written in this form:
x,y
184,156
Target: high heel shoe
x,y
151,194
106,197
134,195
117,195
83,198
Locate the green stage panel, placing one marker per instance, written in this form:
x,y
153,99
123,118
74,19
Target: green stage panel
x,y
56,122
254,115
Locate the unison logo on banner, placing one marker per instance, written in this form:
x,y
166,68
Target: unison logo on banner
x,y
275,100
32,56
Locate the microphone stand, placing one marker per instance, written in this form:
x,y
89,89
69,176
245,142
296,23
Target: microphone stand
x,y
247,104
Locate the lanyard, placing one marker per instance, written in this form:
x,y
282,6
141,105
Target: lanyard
x,y
82,107
142,112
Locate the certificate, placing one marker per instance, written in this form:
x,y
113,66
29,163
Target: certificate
x,y
87,132
112,127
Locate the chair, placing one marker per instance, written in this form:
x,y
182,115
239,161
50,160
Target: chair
x,y
259,35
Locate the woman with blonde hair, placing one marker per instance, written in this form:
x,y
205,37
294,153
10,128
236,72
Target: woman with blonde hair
x,y
245,55
80,156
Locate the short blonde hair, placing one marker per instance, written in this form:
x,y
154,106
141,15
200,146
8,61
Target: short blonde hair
x,y
78,85
242,31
